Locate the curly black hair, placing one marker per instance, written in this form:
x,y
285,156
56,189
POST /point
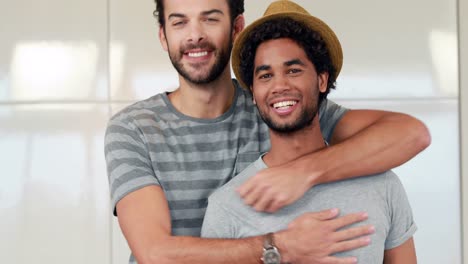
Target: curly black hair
x,y
236,8
309,40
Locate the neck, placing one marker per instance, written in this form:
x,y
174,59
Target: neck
x,y
206,101
288,147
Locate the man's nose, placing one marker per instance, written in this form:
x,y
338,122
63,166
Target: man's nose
x,y
281,84
197,34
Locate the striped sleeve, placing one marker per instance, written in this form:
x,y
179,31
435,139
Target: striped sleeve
x,y
330,114
129,166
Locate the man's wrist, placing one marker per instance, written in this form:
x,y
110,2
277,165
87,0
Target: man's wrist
x,y
303,166
271,255
280,243
316,171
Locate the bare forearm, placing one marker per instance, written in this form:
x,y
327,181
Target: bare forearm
x,y
388,143
365,142
310,238
198,250
145,222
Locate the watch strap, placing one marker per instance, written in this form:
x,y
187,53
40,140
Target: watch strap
x,y
268,241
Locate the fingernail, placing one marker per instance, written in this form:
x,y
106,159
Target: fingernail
x,y
364,214
354,260
366,240
372,229
334,210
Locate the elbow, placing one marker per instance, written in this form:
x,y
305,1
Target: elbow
x,y
152,258
420,135
159,258
153,255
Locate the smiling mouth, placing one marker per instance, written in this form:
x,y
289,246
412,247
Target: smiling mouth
x,y
197,54
284,104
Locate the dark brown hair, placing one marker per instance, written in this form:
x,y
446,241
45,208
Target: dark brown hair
x,y
236,8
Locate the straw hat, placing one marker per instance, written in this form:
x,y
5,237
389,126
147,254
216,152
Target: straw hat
x,y
289,9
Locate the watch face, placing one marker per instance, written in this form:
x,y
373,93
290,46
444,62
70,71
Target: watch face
x,y
271,257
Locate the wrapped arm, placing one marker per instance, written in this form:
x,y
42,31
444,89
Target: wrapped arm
x,y
366,142
363,142
145,219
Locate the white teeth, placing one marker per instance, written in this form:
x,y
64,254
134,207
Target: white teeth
x,y
197,54
284,104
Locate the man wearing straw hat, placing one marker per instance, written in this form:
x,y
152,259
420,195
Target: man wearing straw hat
x,y
290,61
165,155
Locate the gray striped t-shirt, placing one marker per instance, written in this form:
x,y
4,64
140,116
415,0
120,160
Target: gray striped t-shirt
x,y
151,143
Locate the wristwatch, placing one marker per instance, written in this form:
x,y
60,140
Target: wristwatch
x,y
271,254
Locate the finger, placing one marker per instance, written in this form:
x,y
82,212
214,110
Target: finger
x,y
262,203
348,220
274,206
254,195
350,244
246,188
277,202
353,232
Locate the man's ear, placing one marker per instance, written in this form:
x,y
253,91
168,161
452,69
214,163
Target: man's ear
x,y
253,98
162,38
323,81
238,26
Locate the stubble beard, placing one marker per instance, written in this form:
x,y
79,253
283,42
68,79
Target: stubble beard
x,y
211,74
305,119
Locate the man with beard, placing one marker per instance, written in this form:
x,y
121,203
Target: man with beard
x,y
288,89
166,154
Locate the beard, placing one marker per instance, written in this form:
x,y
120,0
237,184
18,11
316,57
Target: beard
x,y
209,75
305,119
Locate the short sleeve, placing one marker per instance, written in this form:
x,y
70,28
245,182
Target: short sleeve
x,y
218,222
330,114
402,225
129,166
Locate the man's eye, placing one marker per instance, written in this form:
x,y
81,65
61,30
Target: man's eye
x,y
294,71
265,76
212,20
178,23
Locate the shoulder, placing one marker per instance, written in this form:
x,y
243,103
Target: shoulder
x,y
153,105
386,183
141,117
330,114
391,179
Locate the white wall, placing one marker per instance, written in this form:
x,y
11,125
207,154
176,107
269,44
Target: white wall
x,y
66,66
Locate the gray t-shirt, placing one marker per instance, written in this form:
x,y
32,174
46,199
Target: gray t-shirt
x,y
382,196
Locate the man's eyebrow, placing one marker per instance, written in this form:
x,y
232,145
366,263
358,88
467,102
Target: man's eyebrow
x,y
204,13
176,15
262,68
293,62
212,11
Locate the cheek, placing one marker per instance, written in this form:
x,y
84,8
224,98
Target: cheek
x,y
260,96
